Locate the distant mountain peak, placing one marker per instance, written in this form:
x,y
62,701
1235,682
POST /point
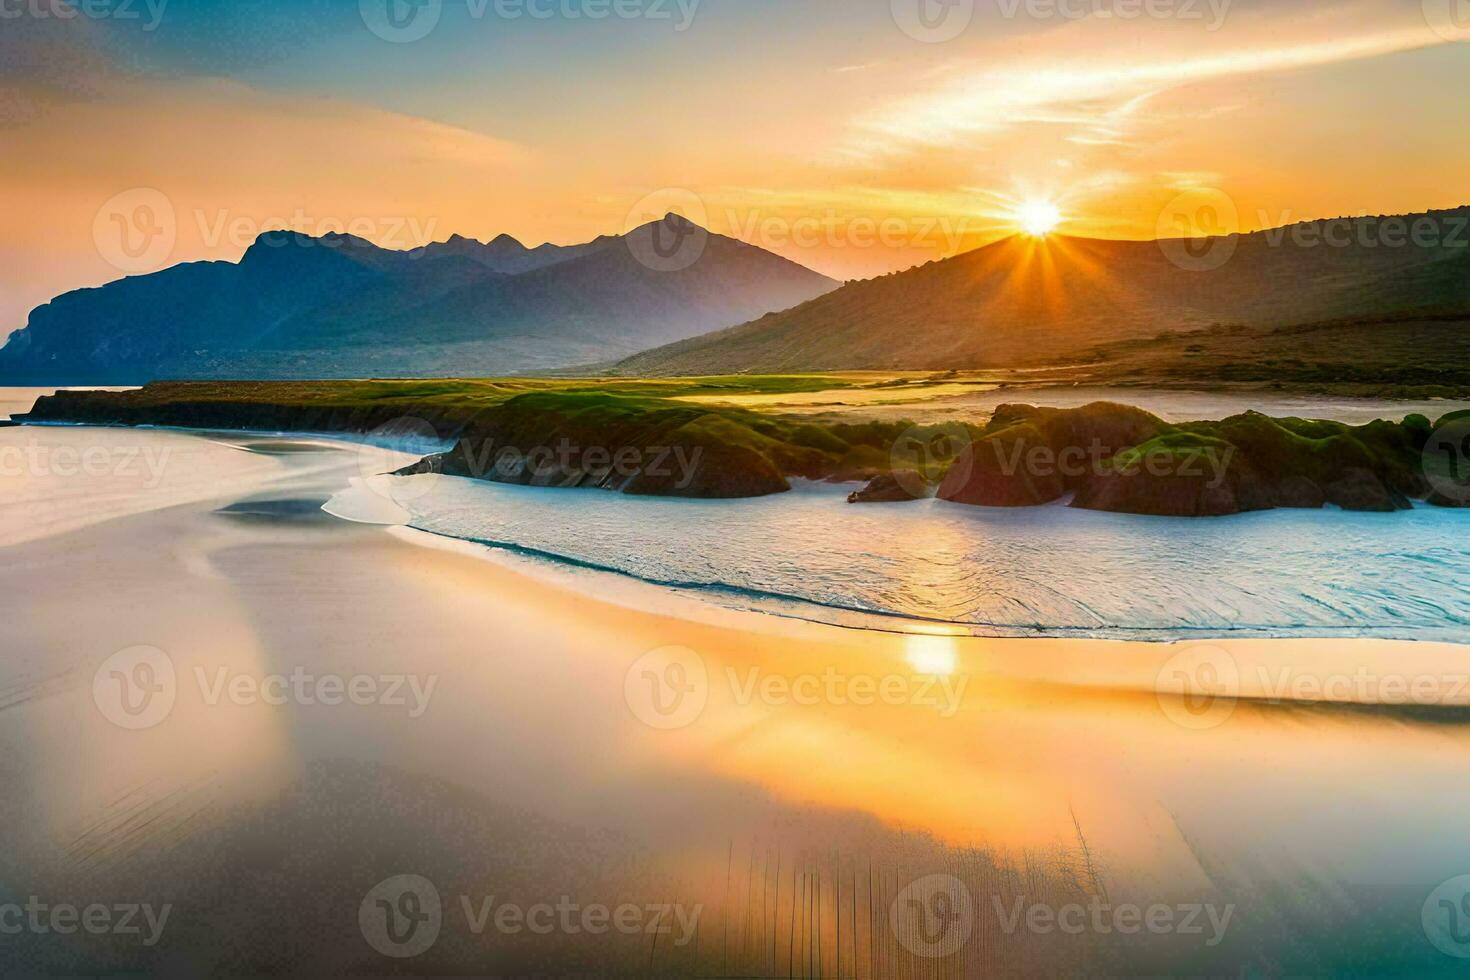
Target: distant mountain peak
x,y
1022,301
284,237
676,220
340,306
499,242
277,237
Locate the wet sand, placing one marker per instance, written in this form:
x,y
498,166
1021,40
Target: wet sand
x,y
786,785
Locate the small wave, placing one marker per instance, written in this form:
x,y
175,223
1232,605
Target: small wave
x,y
876,619
1045,571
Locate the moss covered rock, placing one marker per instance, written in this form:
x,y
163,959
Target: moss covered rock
x,y
1107,456
1115,458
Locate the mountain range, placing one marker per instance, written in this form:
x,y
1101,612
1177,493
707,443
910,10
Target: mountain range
x,y
661,300
1043,301
296,306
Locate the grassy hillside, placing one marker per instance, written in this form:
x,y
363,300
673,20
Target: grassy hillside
x,y
1026,302
454,401
1400,357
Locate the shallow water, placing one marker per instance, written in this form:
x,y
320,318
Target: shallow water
x,y
1041,770
996,571
1317,799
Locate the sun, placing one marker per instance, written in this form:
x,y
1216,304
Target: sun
x,y
1038,217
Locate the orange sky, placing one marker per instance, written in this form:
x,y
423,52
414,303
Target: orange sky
x,y
824,130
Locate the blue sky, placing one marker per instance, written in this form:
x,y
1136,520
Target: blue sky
x,y
771,116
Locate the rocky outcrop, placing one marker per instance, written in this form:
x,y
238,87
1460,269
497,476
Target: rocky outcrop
x,y
1361,489
1030,455
891,488
1137,490
646,447
1114,458
575,437
1105,456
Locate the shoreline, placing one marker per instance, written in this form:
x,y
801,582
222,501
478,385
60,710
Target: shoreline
x,y
557,569
674,602
1003,749
646,594
589,572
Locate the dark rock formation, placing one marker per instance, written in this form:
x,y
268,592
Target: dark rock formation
x,y
891,488
1121,459
1361,489
1441,500
1108,457
1000,471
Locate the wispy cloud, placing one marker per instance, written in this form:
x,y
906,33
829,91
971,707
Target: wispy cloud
x,y
1082,79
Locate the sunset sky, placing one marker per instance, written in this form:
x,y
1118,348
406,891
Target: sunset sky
x,y
820,128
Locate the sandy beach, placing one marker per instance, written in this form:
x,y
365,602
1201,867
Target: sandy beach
x,y
730,490
222,700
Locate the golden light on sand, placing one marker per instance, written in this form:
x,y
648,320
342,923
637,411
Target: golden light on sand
x,y
931,654
1038,217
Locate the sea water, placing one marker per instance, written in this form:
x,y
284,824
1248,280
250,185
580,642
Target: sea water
x,y
996,571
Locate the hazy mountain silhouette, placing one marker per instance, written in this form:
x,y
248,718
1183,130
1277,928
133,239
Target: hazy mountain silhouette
x,y
1024,301
506,254
339,306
